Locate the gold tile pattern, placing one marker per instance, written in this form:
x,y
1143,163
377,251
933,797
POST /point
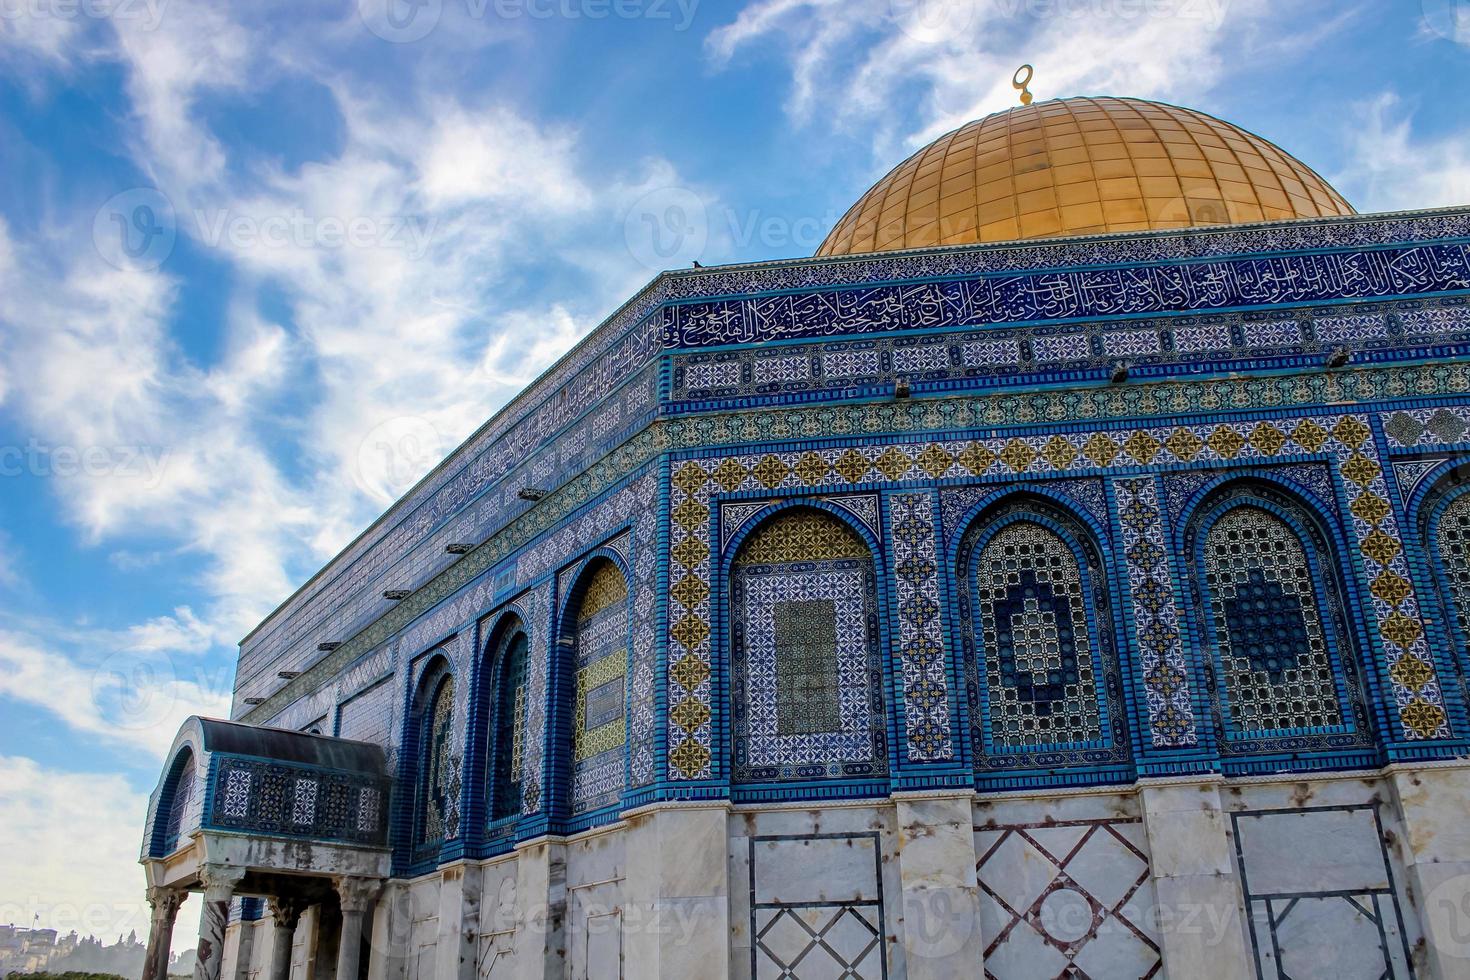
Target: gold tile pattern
x,y
1081,166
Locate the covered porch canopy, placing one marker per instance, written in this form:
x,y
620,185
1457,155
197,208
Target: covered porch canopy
x,y
246,811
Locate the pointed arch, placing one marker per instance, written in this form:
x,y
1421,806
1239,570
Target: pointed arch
x,y
595,639
504,706
431,726
173,804
1043,676
806,664
1270,609
1446,536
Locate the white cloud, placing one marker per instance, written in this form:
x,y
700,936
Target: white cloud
x,y
71,849
497,156
133,697
909,70
1390,167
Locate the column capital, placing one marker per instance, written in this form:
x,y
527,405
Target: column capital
x,y
220,881
355,893
165,902
285,910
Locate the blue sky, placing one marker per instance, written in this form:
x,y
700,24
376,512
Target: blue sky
x,y
261,264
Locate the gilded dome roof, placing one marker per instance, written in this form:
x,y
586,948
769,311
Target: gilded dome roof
x,y
1081,166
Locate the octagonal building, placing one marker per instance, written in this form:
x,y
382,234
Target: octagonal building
x,y
1066,572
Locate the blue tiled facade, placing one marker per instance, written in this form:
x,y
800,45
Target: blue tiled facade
x,y
1047,451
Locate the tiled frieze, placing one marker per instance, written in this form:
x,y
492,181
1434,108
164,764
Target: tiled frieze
x,y
1345,439
1156,626
1063,253
1052,295
1033,353
915,566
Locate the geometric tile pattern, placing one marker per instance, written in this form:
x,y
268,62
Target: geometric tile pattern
x,y
1346,438
1278,672
803,591
1427,426
1037,651
1454,558
507,727
1155,614
1067,899
1409,473
436,792
599,728
914,552
534,610
261,796
838,941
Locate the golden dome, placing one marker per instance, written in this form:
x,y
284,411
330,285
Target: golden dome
x,y
1081,166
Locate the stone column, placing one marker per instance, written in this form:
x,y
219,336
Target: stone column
x,y
219,887
941,890
354,894
459,922
244,948
1432,803
285,913
1194,877
392,933
541,897
676,891
165,903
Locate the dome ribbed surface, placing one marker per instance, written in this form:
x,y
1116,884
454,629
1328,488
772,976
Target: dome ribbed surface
x,y
1081,166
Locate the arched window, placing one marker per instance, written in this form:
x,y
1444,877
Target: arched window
x,y
507,724
806,667
1281,672
599,640
437,778
1043,680
177,799
1452,539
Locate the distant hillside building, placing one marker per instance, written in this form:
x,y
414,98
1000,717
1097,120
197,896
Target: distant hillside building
x,y
1065,573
